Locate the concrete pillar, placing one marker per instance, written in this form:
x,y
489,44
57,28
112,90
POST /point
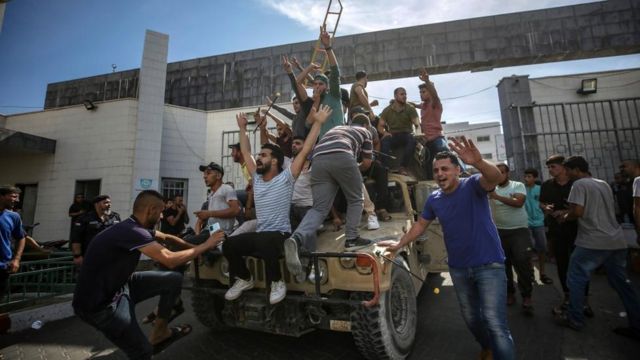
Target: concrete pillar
x,y
153,73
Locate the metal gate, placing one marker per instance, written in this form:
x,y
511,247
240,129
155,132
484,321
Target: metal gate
x,y
603,132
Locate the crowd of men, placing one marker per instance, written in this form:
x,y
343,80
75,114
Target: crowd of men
x,y
297,180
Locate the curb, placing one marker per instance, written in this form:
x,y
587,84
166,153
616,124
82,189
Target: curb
x,y
23,319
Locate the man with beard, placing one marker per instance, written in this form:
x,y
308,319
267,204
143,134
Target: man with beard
x,y
108,288
222,202
10,228
401,118
301,101
476,259
79,207
273,188
90,225
174,217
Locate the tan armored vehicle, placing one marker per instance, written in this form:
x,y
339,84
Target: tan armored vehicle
x,y
359,292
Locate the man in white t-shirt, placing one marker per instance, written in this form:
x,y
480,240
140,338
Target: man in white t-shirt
x,y
512,221
631,168
223,205
600,242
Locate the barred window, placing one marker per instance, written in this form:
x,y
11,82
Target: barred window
x,y
172,187
483,138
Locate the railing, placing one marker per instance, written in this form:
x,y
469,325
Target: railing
x,y
39,279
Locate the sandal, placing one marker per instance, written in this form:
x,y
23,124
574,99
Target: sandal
x,y
177,310
383,215
177,332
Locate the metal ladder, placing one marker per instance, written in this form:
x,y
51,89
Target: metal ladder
x,y
317,50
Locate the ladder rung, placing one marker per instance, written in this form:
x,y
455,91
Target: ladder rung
x,y
333,12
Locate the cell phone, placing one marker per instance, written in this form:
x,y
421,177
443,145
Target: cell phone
x,y
214,227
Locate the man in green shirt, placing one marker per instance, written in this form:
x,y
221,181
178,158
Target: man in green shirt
x,y
329,87
401,118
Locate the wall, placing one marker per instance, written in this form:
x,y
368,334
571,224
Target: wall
x,y
90,145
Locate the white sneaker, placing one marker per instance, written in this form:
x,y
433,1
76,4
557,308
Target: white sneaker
x,y
278,292
238,287
372,222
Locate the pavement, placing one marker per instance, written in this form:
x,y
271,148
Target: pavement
x,y
441,333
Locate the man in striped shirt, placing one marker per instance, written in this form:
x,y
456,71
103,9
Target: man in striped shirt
x,y
272,188
335,164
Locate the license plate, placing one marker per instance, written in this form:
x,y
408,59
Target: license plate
x,y
340,325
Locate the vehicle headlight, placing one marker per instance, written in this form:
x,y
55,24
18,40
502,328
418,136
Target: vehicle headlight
x,y
324,273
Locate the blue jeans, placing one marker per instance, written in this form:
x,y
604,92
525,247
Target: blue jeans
x,y
396,139
118,320
434,146
482,294
582,263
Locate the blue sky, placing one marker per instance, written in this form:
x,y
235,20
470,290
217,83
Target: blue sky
x,y
44,41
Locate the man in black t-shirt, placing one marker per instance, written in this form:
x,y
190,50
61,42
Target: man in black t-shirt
x,y
108,288
79,207
174,217
91,224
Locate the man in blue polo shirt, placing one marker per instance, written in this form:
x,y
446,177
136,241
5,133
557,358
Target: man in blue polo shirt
x,y
10,228
476,258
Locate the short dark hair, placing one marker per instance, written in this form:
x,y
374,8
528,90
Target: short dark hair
x,y
505,166
7,189
555,159
276,152
577,162
396,90
99,198
447,155
176,196
298,137
422,86
143,199
361,74
531,171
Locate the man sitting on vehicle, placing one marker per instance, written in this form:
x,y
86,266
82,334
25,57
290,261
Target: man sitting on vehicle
x,y
273,188
401,118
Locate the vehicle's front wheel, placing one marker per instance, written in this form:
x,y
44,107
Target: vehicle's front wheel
x,y
208,308
387,330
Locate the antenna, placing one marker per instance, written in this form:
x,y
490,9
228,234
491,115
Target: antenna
x,y
114,67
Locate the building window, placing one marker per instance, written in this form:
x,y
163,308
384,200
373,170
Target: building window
x,y
89,188
484,138
487,156
172,187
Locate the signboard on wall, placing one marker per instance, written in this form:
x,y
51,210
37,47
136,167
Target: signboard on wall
x,y
501,149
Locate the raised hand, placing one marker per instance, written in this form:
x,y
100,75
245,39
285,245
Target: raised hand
x,y
466,150
286,65
322,114
241,119
313,67
325,38
295,63
424,75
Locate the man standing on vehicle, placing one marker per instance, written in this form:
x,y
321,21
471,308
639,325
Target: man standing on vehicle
x,y
10,228
476,259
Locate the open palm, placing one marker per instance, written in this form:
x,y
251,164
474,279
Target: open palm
x,y
466,150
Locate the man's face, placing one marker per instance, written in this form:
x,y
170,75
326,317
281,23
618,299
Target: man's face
x,y
556,170
264,161
9,201
280,130
296,146
169,204
425,96
154,214
628,169
504,175
236,154
401,96
79,198
179,201
104,205
529,179
296,105
446,174
319,87
211,177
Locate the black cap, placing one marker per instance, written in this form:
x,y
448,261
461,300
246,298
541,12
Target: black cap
x,y
212,166
236,145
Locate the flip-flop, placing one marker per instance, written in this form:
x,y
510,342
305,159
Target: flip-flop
x,y
177,333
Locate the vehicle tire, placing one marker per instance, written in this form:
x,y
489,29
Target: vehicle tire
x,y
387,330
208,308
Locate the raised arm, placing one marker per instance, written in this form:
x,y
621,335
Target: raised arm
x,y
325,39
295,63
245,146
306,72
469,153
297,87
319,118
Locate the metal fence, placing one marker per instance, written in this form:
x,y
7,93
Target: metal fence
x,y
39,279
603,132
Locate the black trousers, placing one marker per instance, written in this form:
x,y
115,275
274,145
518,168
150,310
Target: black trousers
x,y
266,245
380,176
517,248
563,239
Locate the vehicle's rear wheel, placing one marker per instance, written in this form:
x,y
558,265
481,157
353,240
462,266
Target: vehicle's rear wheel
x,y
208,308
387,330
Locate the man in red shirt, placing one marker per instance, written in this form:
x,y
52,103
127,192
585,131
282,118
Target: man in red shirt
x,y
430,116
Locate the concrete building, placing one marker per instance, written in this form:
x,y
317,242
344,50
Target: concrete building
x,y
487,136
594,115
